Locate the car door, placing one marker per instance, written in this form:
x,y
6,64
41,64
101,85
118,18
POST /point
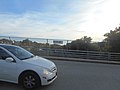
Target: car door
x,y
7,69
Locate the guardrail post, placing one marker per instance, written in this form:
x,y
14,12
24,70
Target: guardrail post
x,y
109,56
87,55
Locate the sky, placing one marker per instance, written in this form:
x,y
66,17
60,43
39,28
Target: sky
x,y
59,19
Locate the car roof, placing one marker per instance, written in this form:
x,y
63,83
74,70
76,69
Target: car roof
x,y
2,45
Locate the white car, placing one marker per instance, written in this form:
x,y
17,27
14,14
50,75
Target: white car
x,y
17,65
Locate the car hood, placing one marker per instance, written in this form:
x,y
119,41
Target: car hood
x,y
42,62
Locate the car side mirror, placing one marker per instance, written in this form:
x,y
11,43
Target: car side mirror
x,y
9,59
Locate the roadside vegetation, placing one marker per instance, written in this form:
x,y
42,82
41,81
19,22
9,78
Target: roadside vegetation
x,y
111,43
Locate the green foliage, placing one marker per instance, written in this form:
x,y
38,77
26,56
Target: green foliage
x,y
113,40
83,44
110,44
102,46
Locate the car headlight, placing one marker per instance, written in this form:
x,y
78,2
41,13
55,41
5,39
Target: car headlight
x,y
46,72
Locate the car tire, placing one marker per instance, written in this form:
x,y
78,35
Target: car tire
x,y
30,80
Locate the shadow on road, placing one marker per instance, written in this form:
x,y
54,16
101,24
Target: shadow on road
x,y
12,86
9,86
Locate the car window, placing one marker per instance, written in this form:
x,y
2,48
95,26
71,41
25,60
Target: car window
x,y
20,53
3,54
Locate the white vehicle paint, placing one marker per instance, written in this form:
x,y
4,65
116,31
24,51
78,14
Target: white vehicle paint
x,y
20,66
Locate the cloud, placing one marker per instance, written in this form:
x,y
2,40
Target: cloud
x,y
33,24
93,18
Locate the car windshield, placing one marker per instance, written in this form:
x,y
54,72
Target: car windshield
x,y
19,52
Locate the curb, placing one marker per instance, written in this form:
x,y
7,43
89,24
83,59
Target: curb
x,y
82,60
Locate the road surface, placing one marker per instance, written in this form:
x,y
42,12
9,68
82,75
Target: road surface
x,y
80,76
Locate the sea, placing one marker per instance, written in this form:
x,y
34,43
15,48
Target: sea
x,y
38,40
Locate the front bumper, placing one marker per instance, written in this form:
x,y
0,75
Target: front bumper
x,y
46,80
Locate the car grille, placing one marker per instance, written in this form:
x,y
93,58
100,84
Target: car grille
x,y
53,69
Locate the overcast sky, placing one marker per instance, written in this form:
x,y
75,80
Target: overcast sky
x,y
59,19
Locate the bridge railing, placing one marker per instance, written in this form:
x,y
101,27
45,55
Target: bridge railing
x,y
60,52
80,54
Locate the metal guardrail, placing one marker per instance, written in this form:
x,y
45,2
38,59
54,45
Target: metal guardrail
x,y
63,52
80,54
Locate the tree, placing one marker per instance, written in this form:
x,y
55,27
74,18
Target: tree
x,y
82,44
113,40
27,42
86,39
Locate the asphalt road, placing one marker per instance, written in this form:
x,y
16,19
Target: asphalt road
x,y
80,76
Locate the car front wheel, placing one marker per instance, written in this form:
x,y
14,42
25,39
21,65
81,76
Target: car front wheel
x,y
30,80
